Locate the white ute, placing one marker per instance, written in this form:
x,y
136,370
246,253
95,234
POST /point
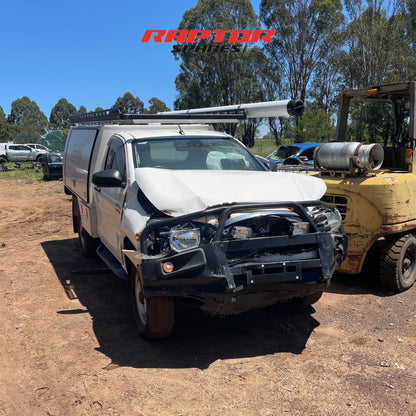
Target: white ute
x,y
189,214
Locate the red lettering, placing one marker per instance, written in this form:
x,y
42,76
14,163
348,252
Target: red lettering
x,y
235,36
198,34
191,36
178,35
219,35
257,34
158,37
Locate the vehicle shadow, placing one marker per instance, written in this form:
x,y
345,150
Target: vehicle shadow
x,y
197,341
362,284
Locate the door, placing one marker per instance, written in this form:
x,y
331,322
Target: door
x,y
18,153
110,201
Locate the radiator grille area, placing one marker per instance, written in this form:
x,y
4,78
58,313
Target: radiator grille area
x,y
340,202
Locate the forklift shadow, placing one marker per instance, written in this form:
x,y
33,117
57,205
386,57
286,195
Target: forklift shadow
x,y
197,340
361,284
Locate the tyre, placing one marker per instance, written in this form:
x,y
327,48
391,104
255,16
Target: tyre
x,y
398,263
154,316
87,244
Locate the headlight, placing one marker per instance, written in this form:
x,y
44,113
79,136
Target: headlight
x,y
184,239
327,219
334,220
241,233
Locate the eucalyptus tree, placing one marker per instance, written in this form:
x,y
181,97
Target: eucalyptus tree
x,y
26,115
61,113
129,104
306,32
375,50
219,76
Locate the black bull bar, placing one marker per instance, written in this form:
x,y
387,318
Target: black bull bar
x,y
206,269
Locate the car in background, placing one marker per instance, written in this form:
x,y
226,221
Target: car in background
x,y
296,153
52,163
39,150
11,152
39,147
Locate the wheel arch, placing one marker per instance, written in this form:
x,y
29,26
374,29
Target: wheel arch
x,y
128,245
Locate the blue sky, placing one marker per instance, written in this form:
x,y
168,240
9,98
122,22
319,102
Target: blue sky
x,y
88,52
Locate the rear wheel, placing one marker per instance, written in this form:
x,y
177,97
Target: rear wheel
x,y
154,315
87,244
398,263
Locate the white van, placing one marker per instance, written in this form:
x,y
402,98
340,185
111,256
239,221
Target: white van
x,y
185,212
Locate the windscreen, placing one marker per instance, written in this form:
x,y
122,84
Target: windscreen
x,y
283,152
214,153
287,151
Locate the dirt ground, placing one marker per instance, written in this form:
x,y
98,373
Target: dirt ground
x,y
68,343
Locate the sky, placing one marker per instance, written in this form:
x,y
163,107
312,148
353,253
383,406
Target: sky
x,y
87,51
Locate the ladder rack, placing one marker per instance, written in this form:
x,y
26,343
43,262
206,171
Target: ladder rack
x,y
219,114
115,116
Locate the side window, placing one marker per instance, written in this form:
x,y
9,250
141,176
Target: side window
x,y
116,157
309,153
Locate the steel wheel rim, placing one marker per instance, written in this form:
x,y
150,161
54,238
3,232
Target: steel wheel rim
x,y
409,262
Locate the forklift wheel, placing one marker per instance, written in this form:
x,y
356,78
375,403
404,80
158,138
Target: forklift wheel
x,y
398,263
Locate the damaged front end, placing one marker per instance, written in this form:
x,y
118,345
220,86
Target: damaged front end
x,y
243,256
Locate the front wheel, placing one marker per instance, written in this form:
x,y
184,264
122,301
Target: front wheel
x,y
153,315
398,263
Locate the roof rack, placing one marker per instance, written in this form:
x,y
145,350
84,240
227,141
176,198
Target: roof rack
x,y
221,114
115,116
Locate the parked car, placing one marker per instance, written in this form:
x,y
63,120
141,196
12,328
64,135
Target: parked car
x,y
292,153
10,152
186,214
40,150
52,165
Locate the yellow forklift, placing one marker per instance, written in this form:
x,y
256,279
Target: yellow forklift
x,y
374,186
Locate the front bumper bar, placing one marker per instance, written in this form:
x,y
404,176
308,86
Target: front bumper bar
x,y
207,272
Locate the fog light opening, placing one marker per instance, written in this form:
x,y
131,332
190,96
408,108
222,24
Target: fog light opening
x,y
299,228
168,267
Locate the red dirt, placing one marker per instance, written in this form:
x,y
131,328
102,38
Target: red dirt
x,y
352,353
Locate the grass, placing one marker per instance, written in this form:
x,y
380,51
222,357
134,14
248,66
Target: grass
x,y
263,147
22,173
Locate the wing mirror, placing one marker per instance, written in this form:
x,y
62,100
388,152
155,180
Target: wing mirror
x,y
108,179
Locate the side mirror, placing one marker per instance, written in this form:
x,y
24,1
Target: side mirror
x,y
108,179
303,159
